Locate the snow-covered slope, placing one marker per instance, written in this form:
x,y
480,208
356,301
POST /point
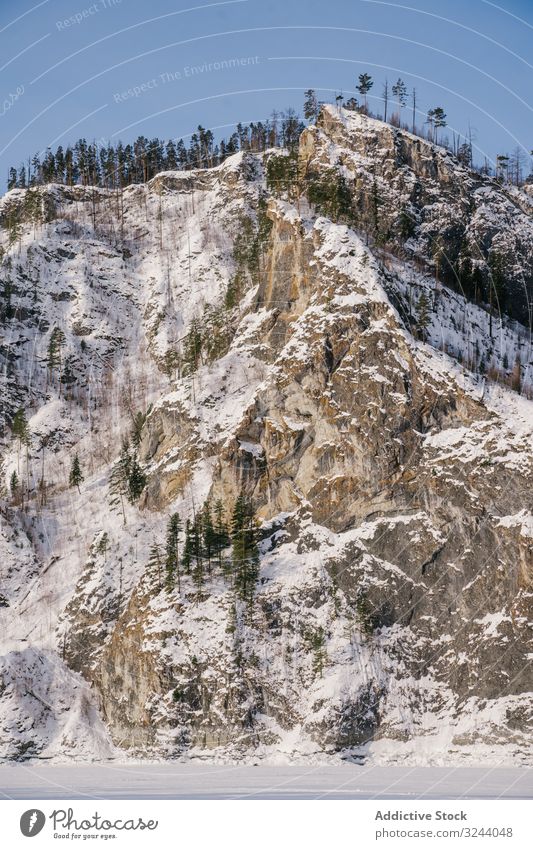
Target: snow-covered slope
x,y
391,618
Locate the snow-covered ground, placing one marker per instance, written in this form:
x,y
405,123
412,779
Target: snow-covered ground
x,y
209,781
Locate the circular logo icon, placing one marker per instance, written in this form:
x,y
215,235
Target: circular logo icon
x,y
32,822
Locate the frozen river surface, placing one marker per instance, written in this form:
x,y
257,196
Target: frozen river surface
x,y
208,781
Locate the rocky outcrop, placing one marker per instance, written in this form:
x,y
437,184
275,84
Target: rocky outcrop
x,y
417,199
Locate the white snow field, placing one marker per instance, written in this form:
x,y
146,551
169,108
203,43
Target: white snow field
x,y
224,781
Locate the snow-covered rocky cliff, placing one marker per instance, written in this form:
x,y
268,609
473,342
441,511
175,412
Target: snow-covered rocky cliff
x,y
389,460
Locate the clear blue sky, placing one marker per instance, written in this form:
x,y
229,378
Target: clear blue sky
x,y
64,79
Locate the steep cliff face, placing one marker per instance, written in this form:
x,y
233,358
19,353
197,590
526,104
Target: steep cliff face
x,y
391,616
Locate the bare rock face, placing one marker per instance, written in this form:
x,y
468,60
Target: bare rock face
x,y
354,432
391,613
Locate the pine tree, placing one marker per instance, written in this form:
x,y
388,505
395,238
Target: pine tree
x,y
316,639
502,166
102,545
439,120
20,426
172,553
171,364
464,154
406,223
193,346
477,281
154,563
14,485
221,534
466,274
431,122
171,163
363,87
33,208
245,553
21,431
12,179
331,195
238,521
60,165
186,559
136,480
282,175
36,179
310,105
197,551
376,202
399,91
136,428
208,535
423,316
57,340
76,476
14,230
497,284
119,479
